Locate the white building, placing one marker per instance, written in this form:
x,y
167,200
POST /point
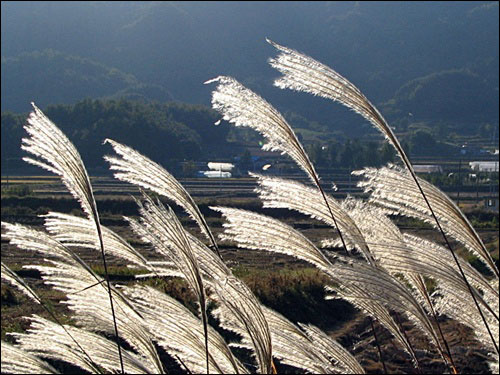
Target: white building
x,y
217,174
484,166
218,170
427,168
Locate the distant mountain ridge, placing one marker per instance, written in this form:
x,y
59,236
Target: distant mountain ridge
x,y
50,76
166,50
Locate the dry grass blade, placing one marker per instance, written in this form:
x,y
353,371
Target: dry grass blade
x,y
14,280
18,361
137,169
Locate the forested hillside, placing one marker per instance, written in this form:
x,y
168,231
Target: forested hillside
x,y
167,133
430,66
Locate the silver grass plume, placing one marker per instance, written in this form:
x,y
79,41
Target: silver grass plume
x,y
245,317
332,349
276,192
212,268
178,331
236,317
460,306
255,231
391,187
387,244
258,232
74,231
302,73
242,107
391,251
58,155
100,349
367,288
241,312
359,279
17,361
308,348
12,278
292,346
85,291
434,261
215,273
162,229
137,169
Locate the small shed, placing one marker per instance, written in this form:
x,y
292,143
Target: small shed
x,y
427,168
484,166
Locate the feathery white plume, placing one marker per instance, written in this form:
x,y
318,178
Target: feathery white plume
x,y
137,169
17,361
281,193
254,231
79,232
459,306
242,107
240,311
367,287
101,350
179,332
162,229
59,156
293,347
302,73
333,350
393,188
86,292
311,350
